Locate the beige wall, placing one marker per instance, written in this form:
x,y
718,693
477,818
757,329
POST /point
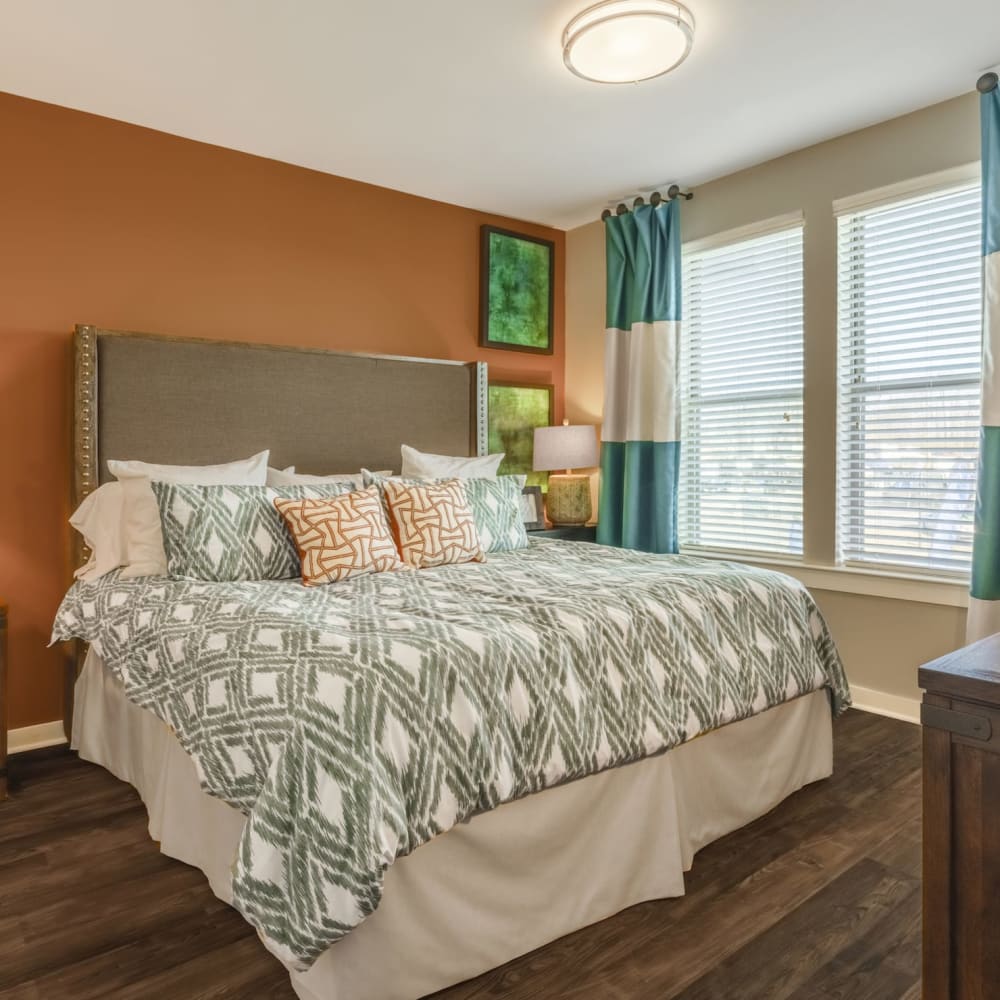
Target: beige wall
x,y
882,640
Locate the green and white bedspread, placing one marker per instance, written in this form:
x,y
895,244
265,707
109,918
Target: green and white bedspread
x,y
354,722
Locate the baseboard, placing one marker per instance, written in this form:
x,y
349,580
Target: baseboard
x,y
895,706
45,734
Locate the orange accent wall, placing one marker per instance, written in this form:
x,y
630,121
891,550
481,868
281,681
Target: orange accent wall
x,y
131,229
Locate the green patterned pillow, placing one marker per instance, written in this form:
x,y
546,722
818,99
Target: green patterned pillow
x,y
496,508
495,503
227,533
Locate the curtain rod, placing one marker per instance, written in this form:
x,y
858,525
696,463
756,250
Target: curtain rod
x,y
987,83
654,199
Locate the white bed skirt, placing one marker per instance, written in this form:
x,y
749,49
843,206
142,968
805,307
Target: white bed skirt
x,y
509,880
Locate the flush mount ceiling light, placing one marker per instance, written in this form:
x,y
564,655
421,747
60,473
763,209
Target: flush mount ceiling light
x,y
625,41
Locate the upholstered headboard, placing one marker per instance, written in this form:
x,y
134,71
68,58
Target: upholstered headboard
x,y
192,402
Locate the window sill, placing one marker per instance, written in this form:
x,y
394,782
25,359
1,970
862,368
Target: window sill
x,y
852,580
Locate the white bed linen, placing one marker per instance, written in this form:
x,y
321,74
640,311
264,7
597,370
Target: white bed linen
x,y
508,881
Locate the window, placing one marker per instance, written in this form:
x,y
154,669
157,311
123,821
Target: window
x,y
741,394
909,322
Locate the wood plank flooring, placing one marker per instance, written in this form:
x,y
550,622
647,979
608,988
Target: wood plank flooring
x,y
818,900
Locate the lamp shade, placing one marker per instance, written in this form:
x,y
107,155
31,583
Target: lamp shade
x,y
565,447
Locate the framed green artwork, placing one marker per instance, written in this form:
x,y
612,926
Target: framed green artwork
x,y
515,410
516,278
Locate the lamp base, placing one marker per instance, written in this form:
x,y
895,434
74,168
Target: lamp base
x,y
568,500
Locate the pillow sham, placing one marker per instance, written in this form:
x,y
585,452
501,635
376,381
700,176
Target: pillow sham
x,y
230,533
420,463
340,537
433,523
144,552
289,477
495,503
496,507
99,520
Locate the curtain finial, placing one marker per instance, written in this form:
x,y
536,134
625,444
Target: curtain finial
x,y
987,83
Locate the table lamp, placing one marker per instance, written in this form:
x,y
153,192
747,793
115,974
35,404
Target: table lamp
x,y
567,447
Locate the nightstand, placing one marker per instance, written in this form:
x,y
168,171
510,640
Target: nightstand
x,y
568,532
3,702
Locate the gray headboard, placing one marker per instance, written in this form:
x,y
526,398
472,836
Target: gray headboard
x,y
193,402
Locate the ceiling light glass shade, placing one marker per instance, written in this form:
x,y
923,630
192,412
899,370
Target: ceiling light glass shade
x,y
625,41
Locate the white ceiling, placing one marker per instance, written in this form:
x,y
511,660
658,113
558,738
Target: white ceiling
x,y
468,101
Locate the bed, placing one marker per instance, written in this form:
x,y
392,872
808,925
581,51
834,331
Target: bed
x,y
614,780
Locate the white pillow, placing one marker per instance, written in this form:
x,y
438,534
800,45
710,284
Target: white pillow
x,y
289,477
420,463
144,554
99,519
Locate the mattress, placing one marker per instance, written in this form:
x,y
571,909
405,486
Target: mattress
x,y
506,881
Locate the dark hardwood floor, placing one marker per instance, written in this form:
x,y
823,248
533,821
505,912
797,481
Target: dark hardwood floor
x,y
819,899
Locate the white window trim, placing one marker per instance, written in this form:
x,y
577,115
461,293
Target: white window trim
x,y
738,234
911,587
840,578
765,227
936,183
942,588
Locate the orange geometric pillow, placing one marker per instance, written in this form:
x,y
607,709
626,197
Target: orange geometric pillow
x,y
340,536
433,523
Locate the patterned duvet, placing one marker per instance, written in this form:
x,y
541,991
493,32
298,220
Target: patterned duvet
x,y
352,723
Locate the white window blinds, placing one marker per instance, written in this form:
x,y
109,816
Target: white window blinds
x,y
741,395
909,322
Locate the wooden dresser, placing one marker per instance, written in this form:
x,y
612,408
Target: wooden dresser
x,y
961,734
3,701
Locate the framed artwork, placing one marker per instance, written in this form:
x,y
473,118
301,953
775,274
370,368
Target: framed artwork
x,y
515,410
516,278
532,508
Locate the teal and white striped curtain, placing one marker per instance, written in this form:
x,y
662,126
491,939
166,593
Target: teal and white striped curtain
x,y
640,452
984,603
